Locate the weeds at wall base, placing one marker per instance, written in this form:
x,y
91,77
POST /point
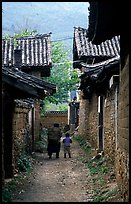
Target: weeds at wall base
x,y
24,168
101,171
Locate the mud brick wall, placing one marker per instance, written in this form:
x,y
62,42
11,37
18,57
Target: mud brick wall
x,y
37,120
93,121
122,158
88,120
83,117
3,172
110,121
52,117
20,131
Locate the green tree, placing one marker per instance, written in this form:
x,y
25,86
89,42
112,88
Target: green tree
x,y
62,75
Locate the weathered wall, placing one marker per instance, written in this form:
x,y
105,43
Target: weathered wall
x,y
3,171
37,120
21,137
88,120
110,121
52,117
93,121
122,157
83,116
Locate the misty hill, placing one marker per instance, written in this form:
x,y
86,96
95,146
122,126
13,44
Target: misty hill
x,y
56,17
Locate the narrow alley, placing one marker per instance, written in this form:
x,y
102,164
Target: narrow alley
x,y
59,180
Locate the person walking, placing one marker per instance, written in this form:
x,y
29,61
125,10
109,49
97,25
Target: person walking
x,y
54,145
67,141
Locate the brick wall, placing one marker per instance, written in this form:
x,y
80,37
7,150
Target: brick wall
x,y
122,157
54,117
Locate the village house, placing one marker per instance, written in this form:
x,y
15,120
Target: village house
x,y
108,18
33,55
104,105
22,88
97,63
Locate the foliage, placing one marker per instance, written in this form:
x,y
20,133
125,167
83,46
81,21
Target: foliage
x,y
62,75
41,143
83,143
23,163
6,195
9,188
97,168
25,32
100,170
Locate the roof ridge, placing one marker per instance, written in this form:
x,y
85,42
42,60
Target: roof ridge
x,y
31,37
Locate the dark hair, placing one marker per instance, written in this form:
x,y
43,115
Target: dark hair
x,y
56,124
67,134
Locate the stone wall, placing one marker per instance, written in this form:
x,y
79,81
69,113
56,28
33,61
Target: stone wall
x,y
122,158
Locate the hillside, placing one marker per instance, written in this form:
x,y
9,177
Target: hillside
x,y
56,17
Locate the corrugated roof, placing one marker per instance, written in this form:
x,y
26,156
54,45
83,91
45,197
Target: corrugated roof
x,y
84,47
36,51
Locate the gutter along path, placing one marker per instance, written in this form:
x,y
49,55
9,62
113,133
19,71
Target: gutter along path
x,y
58,180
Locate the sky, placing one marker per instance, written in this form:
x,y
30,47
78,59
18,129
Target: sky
x,y
56,17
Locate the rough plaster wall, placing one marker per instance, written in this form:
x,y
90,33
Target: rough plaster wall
x,y
37,120
20,131
83,117
109,123
122,158
93,121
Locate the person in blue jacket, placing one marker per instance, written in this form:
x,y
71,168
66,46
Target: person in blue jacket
x,y
67,141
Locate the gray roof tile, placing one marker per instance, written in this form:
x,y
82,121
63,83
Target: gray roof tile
x,y
36,51
29,83
84,47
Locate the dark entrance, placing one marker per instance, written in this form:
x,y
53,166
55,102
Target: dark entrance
x,y
8,107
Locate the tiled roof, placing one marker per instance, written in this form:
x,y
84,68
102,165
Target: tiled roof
x,y
100,72
90,68
85,48
26,103
27,83
36,51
